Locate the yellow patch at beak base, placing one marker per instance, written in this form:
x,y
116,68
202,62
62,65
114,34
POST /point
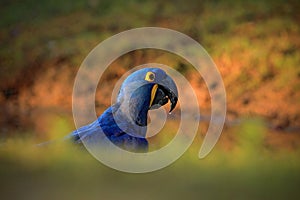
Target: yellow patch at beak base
x,y
153,92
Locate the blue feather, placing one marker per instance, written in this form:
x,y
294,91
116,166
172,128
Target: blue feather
x,y
106,126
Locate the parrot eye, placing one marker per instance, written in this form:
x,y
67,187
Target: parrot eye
x,y
150,76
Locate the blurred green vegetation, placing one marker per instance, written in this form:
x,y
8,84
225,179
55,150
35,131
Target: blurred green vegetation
x,y
255,44
247,171
263,32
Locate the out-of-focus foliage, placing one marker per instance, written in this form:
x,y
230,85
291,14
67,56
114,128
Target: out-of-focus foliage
x,y
255,45
247,171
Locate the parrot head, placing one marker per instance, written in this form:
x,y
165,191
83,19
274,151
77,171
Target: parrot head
x,y
144,90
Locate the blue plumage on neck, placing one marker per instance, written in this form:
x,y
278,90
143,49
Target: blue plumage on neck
x,y
122,133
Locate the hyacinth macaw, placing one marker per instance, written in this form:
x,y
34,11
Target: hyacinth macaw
x,y
125,122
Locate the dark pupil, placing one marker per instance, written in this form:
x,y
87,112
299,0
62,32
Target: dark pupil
x,y
151,77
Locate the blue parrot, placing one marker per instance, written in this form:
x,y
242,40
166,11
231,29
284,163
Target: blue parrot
x,y
125,122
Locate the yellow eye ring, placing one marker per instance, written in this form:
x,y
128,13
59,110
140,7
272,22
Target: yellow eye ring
x,y
150,76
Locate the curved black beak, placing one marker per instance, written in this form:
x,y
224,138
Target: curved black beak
x,y
166,91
